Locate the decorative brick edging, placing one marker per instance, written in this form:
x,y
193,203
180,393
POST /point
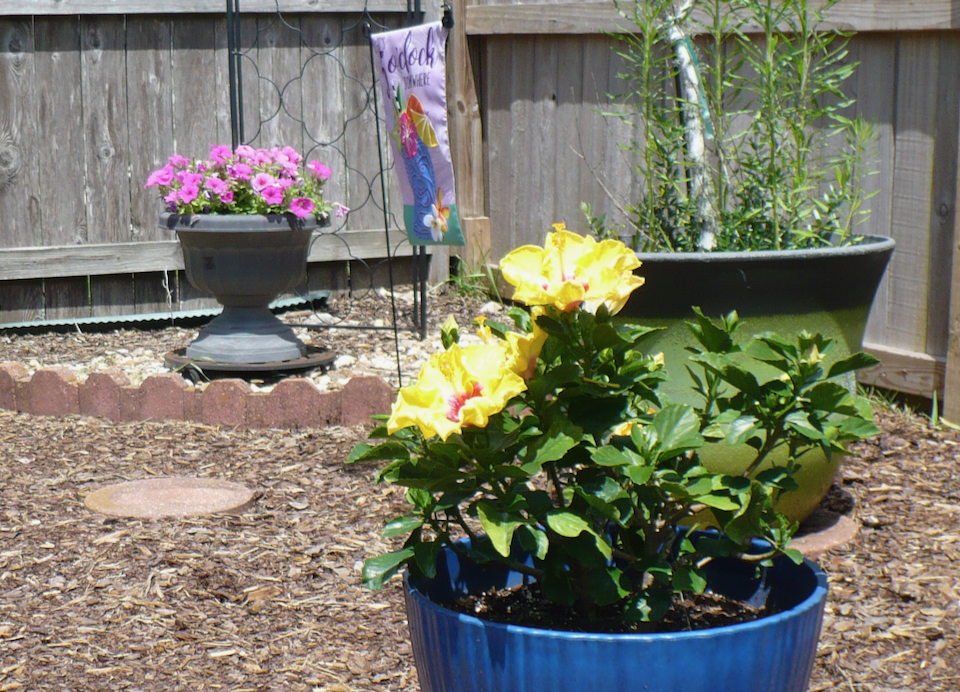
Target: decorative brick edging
x,y
293,403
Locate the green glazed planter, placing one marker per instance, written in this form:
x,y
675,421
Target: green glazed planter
x,y
826,290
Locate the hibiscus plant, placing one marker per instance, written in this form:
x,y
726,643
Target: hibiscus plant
x,y
245,181
550,439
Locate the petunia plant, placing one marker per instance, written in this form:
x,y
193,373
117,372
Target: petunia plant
x,y
551,440
245,181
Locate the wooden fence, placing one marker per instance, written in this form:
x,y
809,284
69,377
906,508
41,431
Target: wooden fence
x,y
527,84
95,95
546,70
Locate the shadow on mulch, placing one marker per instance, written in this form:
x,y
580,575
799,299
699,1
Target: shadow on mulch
x,y
270,599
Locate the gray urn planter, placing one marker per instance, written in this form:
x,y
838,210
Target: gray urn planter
x,y
245,261
826,290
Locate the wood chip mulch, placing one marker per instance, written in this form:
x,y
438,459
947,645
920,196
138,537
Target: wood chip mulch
x,y
270,599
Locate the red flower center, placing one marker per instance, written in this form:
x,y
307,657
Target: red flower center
x,y
455,402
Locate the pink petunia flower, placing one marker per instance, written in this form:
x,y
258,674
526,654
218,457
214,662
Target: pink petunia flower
x,y
189,192
301,207
240,171
226,196
172,197
189,178
340,210
272,195
220,153
292,155
319,170
246,151
261,181
161,176
216,185
179,161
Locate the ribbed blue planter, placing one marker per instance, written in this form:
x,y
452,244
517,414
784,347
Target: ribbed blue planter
x,y
461,653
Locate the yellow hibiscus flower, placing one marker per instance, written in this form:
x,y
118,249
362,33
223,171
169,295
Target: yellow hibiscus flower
x,y
571,270
457,388
524,349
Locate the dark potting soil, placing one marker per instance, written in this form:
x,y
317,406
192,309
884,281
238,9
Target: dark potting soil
x,y
525,605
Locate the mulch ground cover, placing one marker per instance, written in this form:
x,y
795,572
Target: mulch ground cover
x,y
270,598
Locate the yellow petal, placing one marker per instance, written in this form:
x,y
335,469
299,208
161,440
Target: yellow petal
x,y
456,388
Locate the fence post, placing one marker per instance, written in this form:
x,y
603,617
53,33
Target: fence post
x,y
466,141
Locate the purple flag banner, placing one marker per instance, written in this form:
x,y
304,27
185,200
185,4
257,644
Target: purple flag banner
x,y
413,77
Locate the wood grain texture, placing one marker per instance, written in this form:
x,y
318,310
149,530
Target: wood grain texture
x,y
321,88
908,372
19,164
150,113
193,77
19,155
106,151
913,170
943,193
364,191
874,86
131,7
593,18
279,67
466,142
62,178
153,256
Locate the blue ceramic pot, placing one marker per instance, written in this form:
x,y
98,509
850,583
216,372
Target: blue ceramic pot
x,y
461,653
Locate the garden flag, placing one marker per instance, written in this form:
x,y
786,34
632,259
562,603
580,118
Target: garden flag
x,y
413,78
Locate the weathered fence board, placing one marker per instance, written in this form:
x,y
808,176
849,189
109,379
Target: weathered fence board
x,y
80,233
107,192
593,17
906,84
177,7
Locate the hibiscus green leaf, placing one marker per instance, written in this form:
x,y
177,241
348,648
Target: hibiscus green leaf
x,y
858,428
742,379
800,421
689,578
521,318
740,429
639,474
855,362
610,456
389,450
794,555
606,336
499,526
554,445
832,397
534,541
425,556
377,570
402,526
719,502
567,524
678,429
713,338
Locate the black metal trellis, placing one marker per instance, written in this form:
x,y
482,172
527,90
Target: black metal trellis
x,y
240,58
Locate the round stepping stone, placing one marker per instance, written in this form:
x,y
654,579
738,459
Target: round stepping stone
x,y
154,498
824,530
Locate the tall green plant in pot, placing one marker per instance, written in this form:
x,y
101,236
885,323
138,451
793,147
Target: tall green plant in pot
x,y
750,193
544,465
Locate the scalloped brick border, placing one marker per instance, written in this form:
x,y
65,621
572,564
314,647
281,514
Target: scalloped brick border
x,y
293,403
